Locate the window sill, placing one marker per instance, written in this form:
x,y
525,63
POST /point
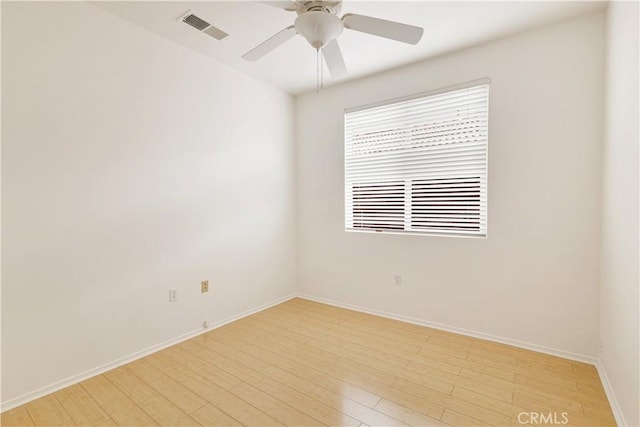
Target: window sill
x,y
429,234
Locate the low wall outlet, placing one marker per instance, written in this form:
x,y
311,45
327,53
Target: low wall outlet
x,y
204,286
173,295
397,280
205,324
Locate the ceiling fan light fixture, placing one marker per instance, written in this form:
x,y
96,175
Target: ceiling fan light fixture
x,y
319,28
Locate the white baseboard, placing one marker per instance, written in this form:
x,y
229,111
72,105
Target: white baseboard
x,y
615,406
74,379
470,333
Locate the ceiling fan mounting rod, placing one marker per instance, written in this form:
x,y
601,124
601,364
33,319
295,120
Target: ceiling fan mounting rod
x,y
332,7
318,9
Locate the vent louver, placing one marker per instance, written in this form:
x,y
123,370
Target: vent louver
x,y
203,26
196,22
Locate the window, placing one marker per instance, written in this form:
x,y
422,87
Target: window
x,y
419,165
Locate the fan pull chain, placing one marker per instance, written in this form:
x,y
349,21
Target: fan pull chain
x,y
317,69
321,71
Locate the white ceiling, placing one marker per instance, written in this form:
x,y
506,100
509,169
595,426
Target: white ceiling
x,y
448,26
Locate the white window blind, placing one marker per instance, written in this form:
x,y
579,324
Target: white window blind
x,y
419,165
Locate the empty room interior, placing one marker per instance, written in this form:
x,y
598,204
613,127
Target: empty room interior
x,y
358,213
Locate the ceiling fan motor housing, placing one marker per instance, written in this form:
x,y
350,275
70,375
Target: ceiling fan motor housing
x,y
318,27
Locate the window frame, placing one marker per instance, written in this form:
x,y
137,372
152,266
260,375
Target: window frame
x,y
482,234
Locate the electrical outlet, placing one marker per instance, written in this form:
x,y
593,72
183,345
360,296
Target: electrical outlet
x,y
601,346
397,280
204,286
173,295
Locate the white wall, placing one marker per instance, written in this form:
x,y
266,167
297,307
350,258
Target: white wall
x,y
535,279
620,280
130,165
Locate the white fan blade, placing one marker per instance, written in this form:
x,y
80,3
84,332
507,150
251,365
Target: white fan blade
x,y
334,60
284,4
383,28
271,43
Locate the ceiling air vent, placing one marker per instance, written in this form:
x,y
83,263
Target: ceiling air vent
x,y
202,25
196,22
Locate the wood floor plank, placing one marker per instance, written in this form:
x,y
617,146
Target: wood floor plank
x,y
489,389
82,408
166,386
119,407
372,368
494,364
307,363
497,360
454,418
338,365
259,390
209,415
326,333
217,396
392,334
507,409
160,409
363,381
281,411
406,415
165,413
585,370
434,381
547,383
556,398
130,385
353,335
370,416
494,347
437,348
426,356
47,411
307,379
378,340
205,370
602,414
461,406
593,388
231,361
16,417
355,317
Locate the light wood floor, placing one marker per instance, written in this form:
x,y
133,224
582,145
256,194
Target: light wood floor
x,y
304,363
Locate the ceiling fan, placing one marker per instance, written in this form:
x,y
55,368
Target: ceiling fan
x,y
319,24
